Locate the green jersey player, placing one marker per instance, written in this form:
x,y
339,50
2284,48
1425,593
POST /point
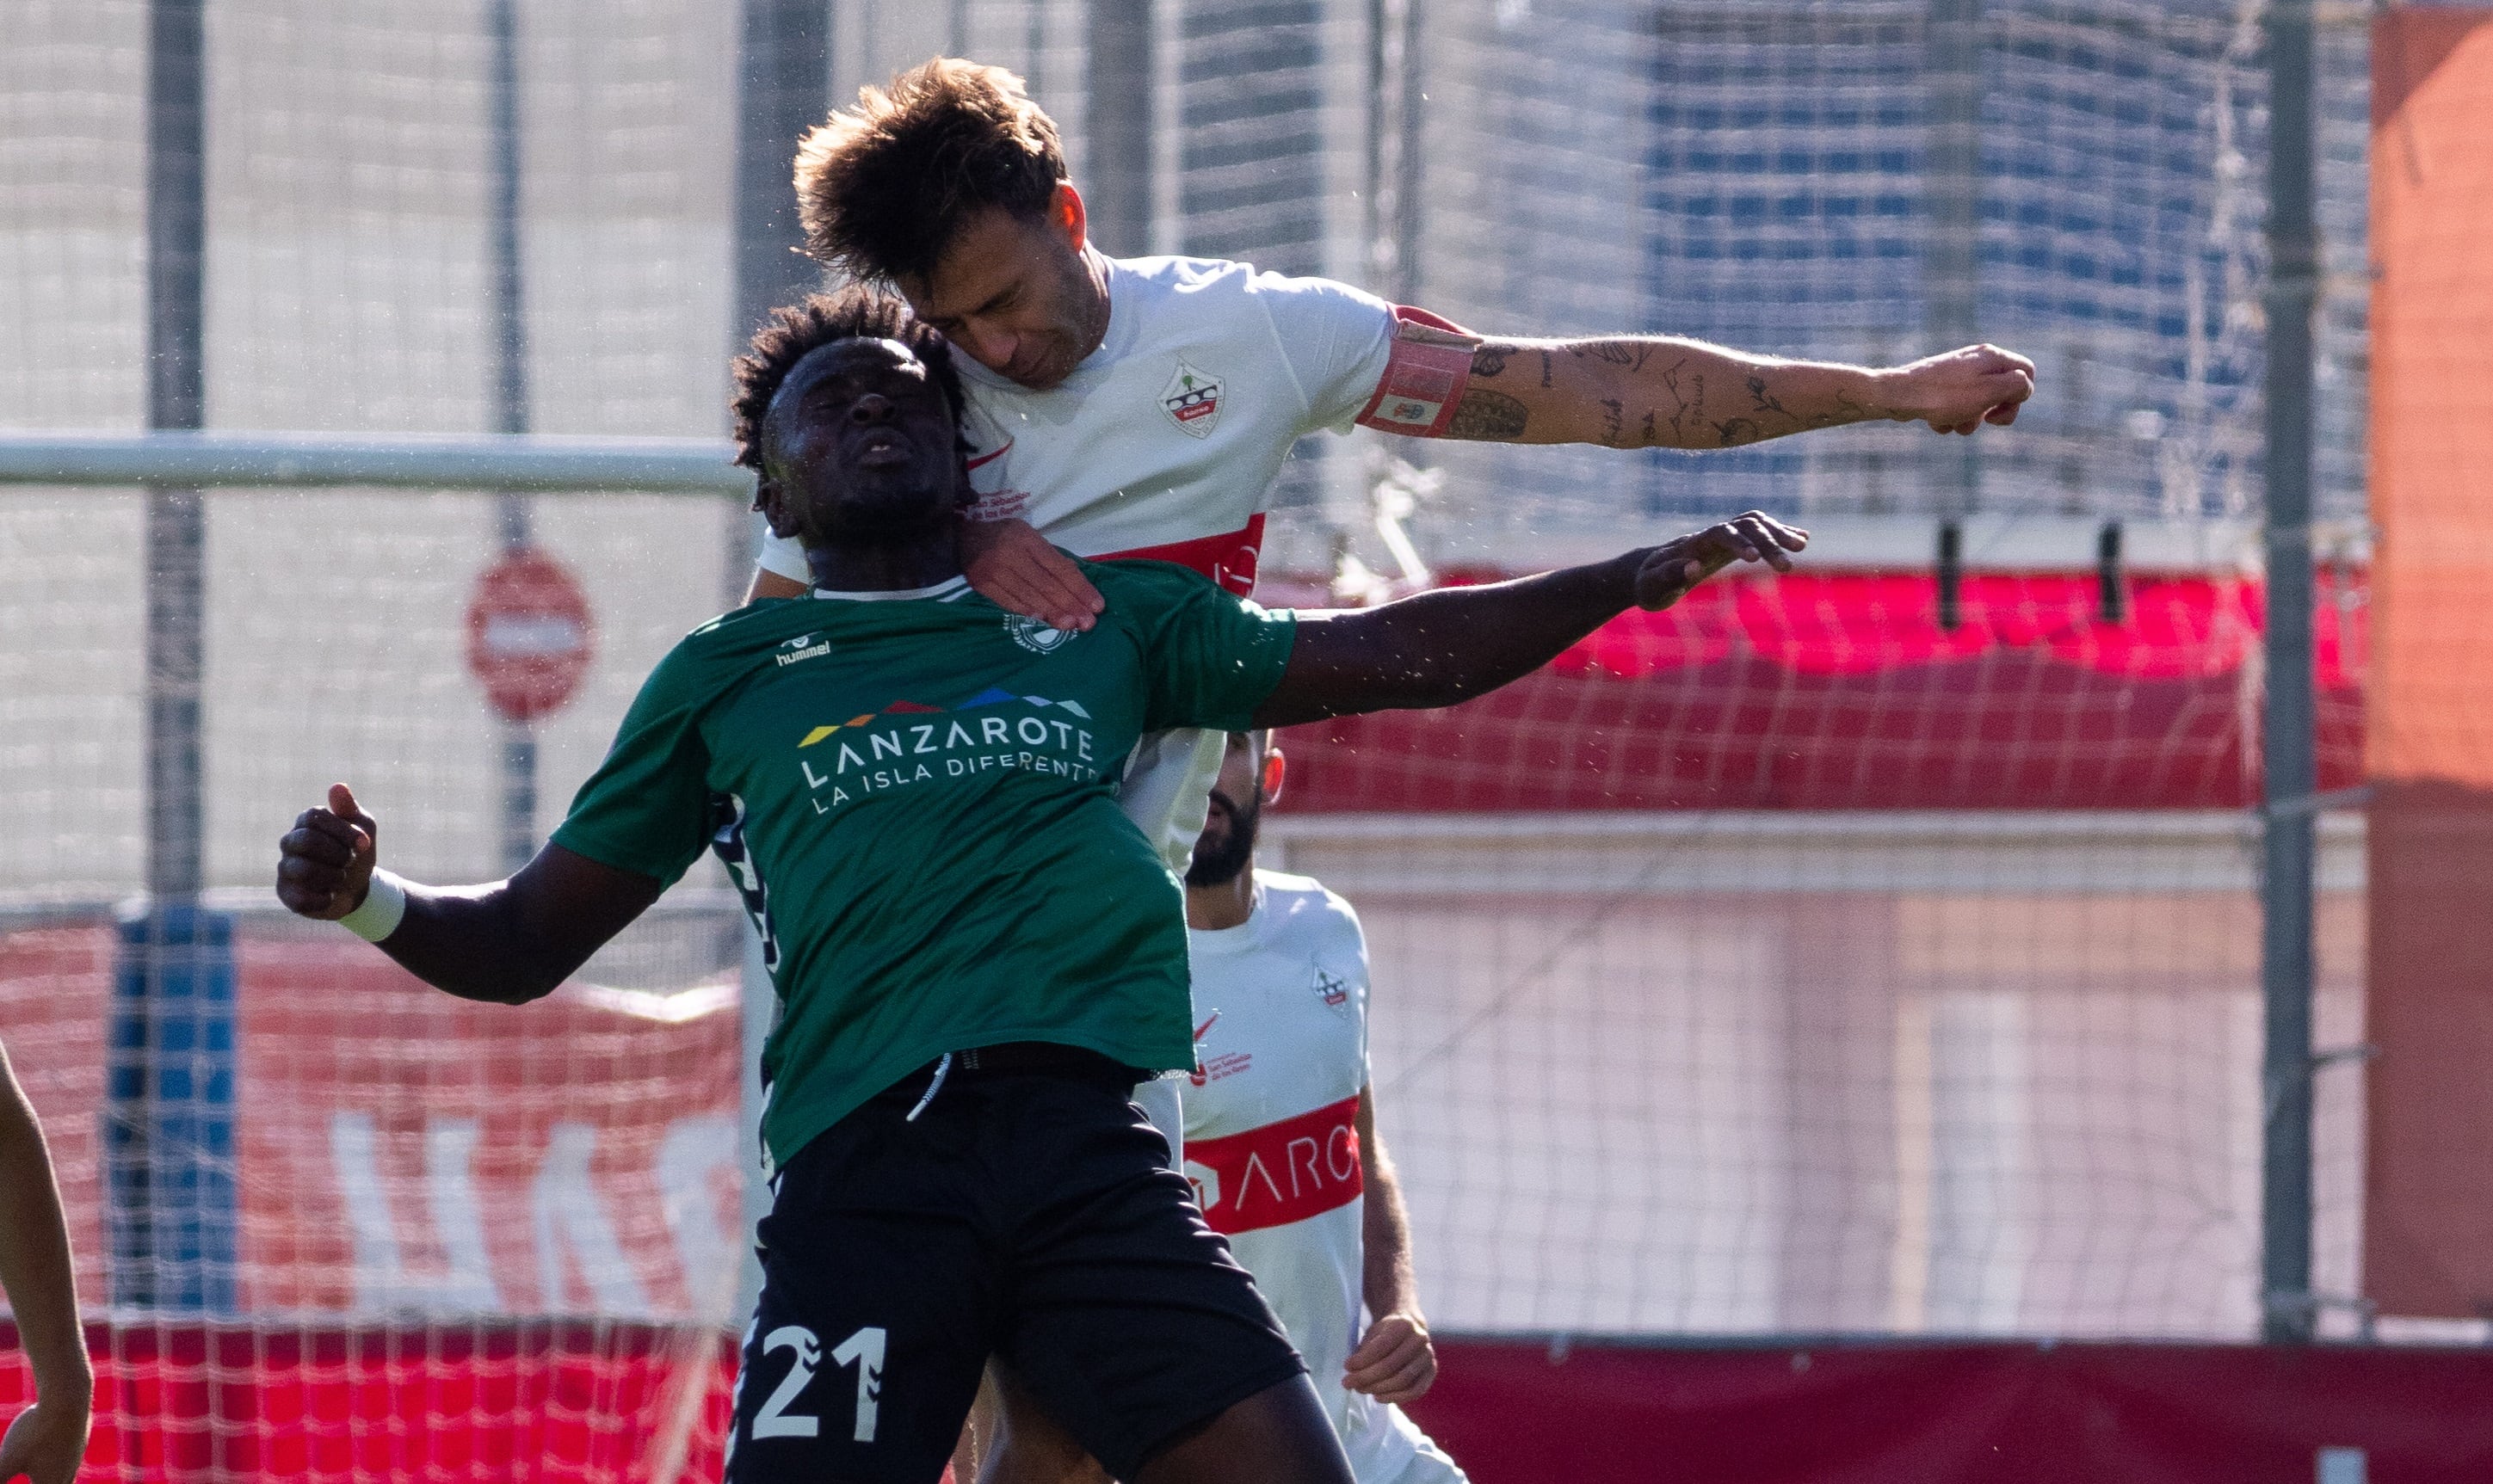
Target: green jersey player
x,y
976,954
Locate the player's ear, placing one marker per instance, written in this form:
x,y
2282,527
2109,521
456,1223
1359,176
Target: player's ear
x,y
1067,215
1275,768
772,501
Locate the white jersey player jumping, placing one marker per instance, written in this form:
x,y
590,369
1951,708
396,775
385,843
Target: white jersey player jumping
x,y
1141,407
1280,1128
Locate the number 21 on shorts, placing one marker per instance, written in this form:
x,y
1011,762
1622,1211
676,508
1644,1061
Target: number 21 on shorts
x,y
862,1350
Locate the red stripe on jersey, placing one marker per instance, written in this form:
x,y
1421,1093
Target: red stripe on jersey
x,y
1281,1173
1228,560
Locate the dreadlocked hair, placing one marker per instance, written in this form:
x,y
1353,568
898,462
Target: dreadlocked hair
x,y
797,329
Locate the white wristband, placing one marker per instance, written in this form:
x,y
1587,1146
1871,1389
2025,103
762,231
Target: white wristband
x,y
384,905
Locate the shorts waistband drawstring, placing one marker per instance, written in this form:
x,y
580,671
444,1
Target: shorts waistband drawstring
x,y
934,1085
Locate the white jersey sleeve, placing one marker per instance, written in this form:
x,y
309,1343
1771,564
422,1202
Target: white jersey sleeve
x,y
1335,340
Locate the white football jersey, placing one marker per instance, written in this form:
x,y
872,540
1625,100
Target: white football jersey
x,y
1165,440
1164,443
1272,1139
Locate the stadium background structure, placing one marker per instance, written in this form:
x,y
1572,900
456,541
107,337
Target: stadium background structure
x,y
1797,174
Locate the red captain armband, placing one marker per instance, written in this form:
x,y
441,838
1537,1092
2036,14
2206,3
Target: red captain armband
x,y
1425,376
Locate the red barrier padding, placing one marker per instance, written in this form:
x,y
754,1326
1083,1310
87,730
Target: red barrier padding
x,y
555,1401
617,1402
1839,691
2000,1413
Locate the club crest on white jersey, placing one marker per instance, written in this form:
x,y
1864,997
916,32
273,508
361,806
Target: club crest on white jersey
x,y
1192,400
1332,989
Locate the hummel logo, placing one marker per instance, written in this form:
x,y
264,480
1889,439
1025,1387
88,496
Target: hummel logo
x,y
803,647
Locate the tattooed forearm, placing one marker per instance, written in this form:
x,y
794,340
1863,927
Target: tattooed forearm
x,y
1633,391
1765,401
1612,351
1848,409
1486,416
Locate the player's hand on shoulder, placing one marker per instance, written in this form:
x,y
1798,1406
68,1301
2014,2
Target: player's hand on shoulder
x,y
1014,567
1960,390
1395,1361
324,864
1670,570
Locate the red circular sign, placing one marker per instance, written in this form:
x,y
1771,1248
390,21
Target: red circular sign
x,y
529,638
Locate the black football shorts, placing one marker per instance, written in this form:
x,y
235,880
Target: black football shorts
x,y
1028,1215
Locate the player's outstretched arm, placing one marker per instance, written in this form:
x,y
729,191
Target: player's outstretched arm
x,y
1663,392
1437,648
1395,1361
45,1442
504,941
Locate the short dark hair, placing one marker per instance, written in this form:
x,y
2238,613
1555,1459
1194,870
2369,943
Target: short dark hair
x,y
885,187
795,331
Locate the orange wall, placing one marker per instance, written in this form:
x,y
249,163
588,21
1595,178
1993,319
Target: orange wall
x,y
2428,1212
2432,396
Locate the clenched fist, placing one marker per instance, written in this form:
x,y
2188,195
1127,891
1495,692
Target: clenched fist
x,y
1958,391
324,864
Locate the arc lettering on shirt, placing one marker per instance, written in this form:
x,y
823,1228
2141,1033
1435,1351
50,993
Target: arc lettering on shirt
x,y
1281,1173
1229,559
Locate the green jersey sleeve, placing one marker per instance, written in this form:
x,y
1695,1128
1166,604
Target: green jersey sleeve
x,y
1211,656
646,809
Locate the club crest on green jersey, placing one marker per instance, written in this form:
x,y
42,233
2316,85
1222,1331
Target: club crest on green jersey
x,y
1036,635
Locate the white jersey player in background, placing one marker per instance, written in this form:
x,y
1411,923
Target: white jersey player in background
x,y
1280,1127
1283,1148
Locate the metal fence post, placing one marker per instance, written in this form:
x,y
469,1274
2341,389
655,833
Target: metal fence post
x,y
169,1079
783,84
2287,750
519,810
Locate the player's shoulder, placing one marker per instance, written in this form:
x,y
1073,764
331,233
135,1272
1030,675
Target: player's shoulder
x,y
770,630
1173,274
1304,904
761,621
1149,584
1215,285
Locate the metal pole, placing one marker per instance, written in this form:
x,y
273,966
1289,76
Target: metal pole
x,y
169,1125
176,399
1392,156
1119,125
1951,264
782,89
2290,773
510,391
783,84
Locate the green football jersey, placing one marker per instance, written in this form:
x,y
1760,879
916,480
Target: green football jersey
x,y
916,794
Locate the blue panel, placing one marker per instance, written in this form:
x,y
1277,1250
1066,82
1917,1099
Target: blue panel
x,y
174,1214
